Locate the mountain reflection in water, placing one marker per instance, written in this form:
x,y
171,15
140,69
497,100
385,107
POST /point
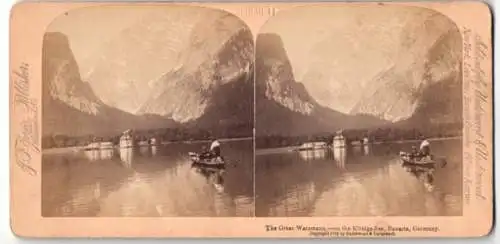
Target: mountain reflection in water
x,y
359,181
148,181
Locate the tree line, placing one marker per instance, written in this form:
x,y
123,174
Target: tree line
x,y
374,135
177,134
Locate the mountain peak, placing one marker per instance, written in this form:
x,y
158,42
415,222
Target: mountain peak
x,y
275,77
61,75
186,92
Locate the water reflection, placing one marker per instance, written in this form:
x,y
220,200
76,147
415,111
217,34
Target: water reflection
x,y
154,150
367,182
213,176
357,149
366,150
340,156
144,150
313,154
381,192
103,154
126,156
424,174
161,183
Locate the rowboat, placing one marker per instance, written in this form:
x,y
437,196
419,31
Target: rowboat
x,y
212,162
408,160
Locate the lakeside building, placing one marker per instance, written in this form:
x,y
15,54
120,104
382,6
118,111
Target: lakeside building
x,y
339,140
126,140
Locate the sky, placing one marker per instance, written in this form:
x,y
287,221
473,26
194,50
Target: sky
x,y
88,28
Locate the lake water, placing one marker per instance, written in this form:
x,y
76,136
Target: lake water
x,y
362,181
159,181
147,182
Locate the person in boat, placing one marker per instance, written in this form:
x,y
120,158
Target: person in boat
x,y
215,148
213,152
414,152
205,153
425,148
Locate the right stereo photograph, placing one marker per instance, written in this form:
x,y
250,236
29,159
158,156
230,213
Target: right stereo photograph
x,y
358,113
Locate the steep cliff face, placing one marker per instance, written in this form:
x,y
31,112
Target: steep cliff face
x,y
420,86
122,66
275,79
284,105
430,54
201,77
70,107
170,62
61,77
231,111
186,92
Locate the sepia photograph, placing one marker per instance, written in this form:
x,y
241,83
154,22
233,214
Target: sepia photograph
x,y
251,120
147,112
358,113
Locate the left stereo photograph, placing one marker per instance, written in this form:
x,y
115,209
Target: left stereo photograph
x,y
147,114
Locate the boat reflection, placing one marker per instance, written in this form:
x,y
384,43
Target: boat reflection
x,y
337,154
212,175
424,174
126,156
357,149
94,155
313,154
366,150
340,156
144,150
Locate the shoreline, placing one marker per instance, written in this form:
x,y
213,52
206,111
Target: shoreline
x,y
415,140
273,150
258,151
77,149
